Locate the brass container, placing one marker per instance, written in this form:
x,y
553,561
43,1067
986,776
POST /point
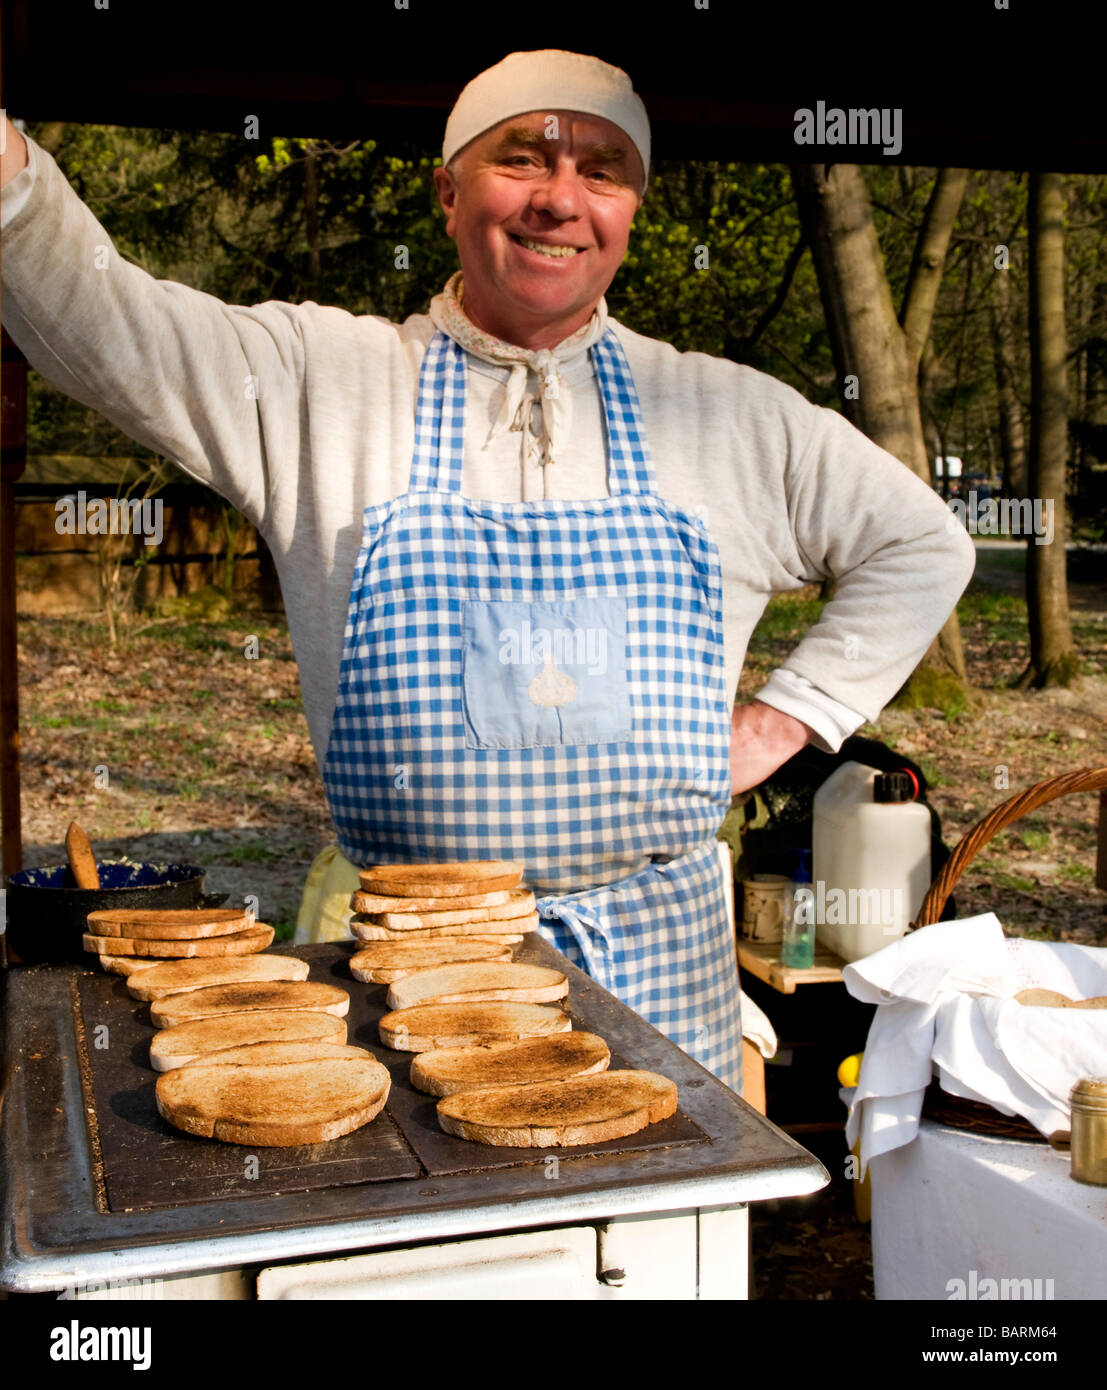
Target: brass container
x,y
1089,1130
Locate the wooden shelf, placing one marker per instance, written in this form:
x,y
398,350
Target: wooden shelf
x,y
762,958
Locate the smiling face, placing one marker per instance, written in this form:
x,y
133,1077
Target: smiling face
x,y
541,224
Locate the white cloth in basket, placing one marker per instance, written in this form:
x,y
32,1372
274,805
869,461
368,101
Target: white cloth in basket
x,y
946,1007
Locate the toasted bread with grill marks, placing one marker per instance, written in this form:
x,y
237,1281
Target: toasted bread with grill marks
x,y
275,1094
446,1071
183,1043
583,1110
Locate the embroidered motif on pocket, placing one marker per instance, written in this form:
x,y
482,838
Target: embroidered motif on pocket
x,y
544,674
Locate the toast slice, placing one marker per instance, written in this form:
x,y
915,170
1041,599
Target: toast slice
x,y
171,924
1043,999
174,1047
126,965
275,1094
520,903
380,935
177,976
239,943
380,902
382,962
427,1026
449,1070
454,880
478,981
252,997
1099,1001
368,930
583,1110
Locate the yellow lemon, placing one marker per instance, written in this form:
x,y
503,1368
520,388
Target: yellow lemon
x,y
850,1070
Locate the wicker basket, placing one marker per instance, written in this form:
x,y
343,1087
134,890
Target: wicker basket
x,y
938,1104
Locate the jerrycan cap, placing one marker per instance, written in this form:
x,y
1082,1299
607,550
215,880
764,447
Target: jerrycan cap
x,y
896,786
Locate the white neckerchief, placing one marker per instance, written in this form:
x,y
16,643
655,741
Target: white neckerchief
x,y
553,395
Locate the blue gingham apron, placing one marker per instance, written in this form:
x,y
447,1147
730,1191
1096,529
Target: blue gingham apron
x,y
544,682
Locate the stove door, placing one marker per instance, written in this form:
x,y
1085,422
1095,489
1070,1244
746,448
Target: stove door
x,y
558,1264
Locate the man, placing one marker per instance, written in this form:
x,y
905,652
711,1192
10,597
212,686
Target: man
x,y
520,647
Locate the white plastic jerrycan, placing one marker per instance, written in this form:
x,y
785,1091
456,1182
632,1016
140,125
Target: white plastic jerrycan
x,y
871,847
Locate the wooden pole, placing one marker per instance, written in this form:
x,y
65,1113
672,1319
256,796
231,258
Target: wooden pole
x,y
13,460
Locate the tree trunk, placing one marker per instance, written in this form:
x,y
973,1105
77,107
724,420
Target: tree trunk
x,y
932,426
1012,439
311,218
866,338
1052,657
929,260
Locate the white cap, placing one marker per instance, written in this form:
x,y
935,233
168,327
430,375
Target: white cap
x,y
548,80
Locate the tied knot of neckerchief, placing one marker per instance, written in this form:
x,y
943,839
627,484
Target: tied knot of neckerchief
x,y
516,410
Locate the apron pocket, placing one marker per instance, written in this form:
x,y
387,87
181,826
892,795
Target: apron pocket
x,y
545,674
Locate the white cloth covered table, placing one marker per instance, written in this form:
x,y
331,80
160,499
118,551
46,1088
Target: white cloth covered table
x,y
954,1210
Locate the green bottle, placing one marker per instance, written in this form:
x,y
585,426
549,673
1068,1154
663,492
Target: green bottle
x,y
798,937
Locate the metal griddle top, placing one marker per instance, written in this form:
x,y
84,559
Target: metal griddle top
x,y
95,1182
145,1162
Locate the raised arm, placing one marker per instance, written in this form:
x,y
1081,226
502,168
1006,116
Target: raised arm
x,y
215,387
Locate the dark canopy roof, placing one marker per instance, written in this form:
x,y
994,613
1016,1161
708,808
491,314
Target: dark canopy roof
x,y
978,86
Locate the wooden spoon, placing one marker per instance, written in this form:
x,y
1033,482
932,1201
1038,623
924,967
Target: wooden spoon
x,y
82,862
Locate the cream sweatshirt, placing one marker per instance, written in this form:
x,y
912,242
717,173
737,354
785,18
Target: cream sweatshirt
x,y
302,415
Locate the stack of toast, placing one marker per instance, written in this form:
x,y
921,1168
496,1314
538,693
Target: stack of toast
x,y
490,1038
126,939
